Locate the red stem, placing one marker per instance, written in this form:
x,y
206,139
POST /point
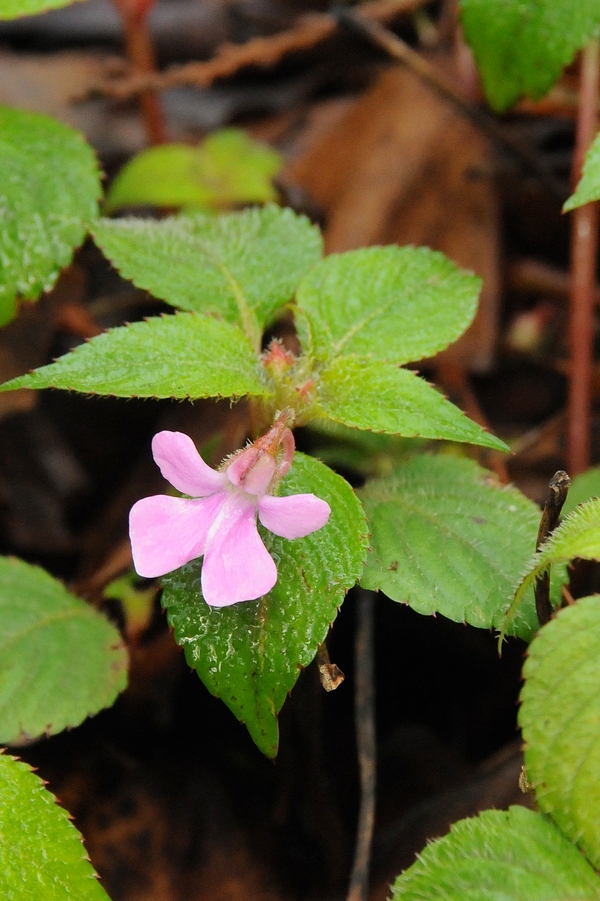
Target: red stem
x,y
584,245
140,52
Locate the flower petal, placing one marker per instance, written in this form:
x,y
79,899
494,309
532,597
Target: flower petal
x,y
294,516
182,465
237,565
167,532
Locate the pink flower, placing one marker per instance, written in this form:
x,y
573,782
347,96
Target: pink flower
x,y
219,519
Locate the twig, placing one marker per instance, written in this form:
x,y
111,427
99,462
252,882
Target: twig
x,y
557,495
584,248
364,715
399,50
262,52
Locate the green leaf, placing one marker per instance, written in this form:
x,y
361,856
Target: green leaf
x,y
500,855
578,535
446,538
250,654
390,303
560,718
183,355
588,188
41,852
382,397
12,9
48,197
521,46
242,266
61,660
583,488
227,169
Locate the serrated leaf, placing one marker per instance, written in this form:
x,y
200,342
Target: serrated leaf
x,y
250,654
61,660
391,303
500,855
521,46
183,355
227,169
588,188
582,489
41,852
560,718
446,538
13,9
243,266
578,535
382,397
48,197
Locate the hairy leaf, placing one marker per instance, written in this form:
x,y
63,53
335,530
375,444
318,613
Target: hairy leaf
x,y
250,654
391,303
41,852
184,356
521,46
588,188
577,536
560,718
243,266
382,397
500,855
446,538
61,660
48,197
228,168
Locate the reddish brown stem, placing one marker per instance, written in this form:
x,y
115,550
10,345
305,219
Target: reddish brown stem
x,y
140,52
584,244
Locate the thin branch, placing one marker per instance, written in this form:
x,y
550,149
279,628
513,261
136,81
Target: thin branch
x,y
261,52
584,249
399,50
364,714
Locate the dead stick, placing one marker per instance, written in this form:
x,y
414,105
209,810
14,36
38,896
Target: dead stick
x,y
399,50
557,495
262,52
364,717
584,248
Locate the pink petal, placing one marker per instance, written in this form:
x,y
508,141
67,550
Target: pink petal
x,y
294,516
237,565
167,532
182,465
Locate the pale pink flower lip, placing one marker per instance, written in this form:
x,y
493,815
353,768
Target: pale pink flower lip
x,y
218,521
